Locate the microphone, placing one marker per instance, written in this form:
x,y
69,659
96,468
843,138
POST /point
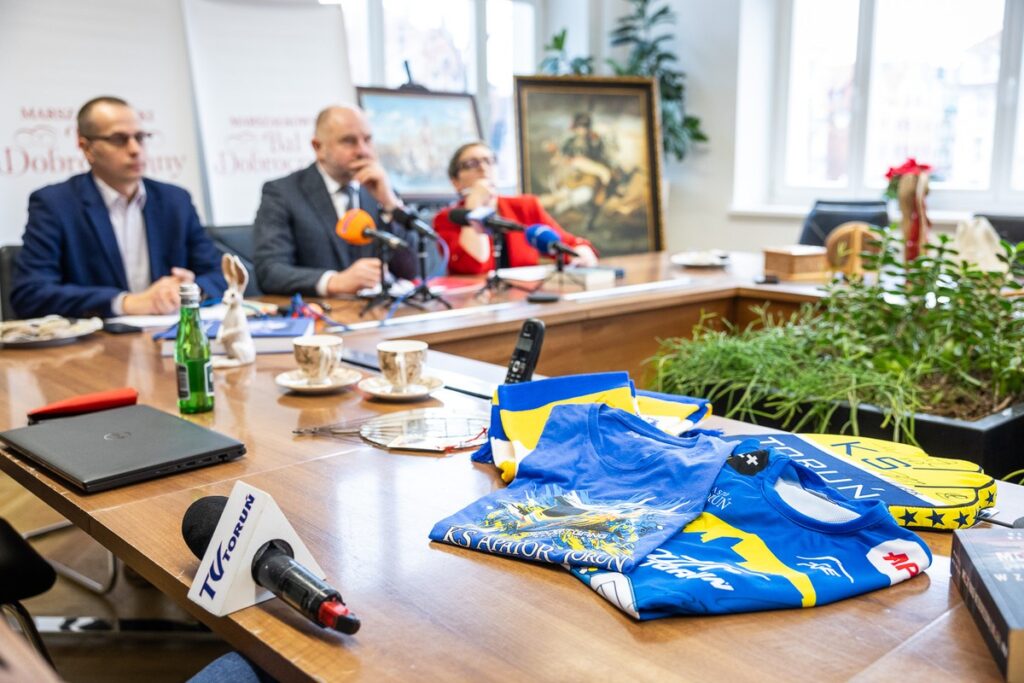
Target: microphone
x,y
357,227
545,240
487,216
273,568
414,222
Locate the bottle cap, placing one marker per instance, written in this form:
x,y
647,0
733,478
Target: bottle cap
x,y
189,293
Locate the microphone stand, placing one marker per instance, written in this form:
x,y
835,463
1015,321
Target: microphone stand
x,y
560,275
384,296
495,282
421,293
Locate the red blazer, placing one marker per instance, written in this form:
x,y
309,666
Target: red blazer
x,y
523,209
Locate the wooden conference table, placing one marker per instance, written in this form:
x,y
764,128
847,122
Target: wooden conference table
x,y
597,330
434,612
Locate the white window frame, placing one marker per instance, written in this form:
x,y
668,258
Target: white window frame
x,y
999,197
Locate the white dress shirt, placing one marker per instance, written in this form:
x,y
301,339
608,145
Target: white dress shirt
x,y
340,200
130,231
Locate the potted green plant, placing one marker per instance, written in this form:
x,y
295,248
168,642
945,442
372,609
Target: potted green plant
x,y
647,56
927,352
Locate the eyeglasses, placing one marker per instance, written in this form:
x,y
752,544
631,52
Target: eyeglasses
x,y
121,139
474,164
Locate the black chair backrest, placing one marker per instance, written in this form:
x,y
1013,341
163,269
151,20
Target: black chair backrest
x,y
826,216
23,573
1009,228
238,240
8,254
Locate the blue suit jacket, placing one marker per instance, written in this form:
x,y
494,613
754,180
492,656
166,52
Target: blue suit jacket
x,y
295,238
69,263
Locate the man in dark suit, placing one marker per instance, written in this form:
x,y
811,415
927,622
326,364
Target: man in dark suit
x,y
111,242
297,248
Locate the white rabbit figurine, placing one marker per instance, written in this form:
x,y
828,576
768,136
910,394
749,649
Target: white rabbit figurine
x,y
234,329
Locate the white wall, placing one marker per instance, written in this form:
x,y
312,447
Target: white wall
x,y
701,187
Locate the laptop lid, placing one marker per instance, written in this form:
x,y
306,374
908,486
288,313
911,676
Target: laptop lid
x,y
115,447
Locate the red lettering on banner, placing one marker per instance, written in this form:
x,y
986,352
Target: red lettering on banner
x,y
280,142
17,161
47,113
231,163
50,148
169,166
259,145
270,121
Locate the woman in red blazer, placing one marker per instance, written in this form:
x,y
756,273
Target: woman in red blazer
x,y
472,173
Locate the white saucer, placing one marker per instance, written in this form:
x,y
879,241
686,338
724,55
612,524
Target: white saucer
x,y
380,388
701,259
295,381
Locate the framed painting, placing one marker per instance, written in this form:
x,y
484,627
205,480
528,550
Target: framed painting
x,y
590,150
415,133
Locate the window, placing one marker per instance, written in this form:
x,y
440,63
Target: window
x,y
824,51
471,46
436,38
867,83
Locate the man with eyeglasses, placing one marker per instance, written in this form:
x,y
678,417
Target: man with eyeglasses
x,y
472,172
111,242
297,247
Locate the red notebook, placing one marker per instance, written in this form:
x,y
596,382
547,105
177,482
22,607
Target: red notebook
x,y
86,403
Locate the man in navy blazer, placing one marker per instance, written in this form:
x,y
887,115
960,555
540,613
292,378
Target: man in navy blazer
x,y
111,242
297,248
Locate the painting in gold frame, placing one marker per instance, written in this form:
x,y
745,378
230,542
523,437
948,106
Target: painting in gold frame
x,y
590,150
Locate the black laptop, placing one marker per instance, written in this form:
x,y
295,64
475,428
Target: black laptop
x,y
120,446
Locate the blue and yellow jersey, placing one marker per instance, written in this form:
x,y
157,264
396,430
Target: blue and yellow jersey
x,y
602,488
520,411
772,535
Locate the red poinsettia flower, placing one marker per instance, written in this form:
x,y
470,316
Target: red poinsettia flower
x,y
909,167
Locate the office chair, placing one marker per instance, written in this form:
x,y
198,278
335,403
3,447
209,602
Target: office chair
x,y
101,587
826,216
1009,228
8,254
238,240
23,574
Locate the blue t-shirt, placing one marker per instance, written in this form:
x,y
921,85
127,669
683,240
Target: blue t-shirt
x,y
602,488
772,535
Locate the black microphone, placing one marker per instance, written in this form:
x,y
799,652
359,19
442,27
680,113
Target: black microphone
x,y
392,240
488,218
411,220
274,568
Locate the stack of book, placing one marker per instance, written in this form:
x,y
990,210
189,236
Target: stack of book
x,y
988,570
269,335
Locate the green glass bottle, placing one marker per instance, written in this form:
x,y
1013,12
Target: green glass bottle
x,y
192,356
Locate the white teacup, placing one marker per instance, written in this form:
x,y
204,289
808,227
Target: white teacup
x,y
401,361
318,355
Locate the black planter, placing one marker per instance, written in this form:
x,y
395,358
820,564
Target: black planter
x,y
995,442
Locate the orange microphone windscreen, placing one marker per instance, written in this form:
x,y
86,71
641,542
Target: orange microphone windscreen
x,y
352,225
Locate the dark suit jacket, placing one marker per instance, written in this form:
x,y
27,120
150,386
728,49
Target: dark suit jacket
x,y
69,263
295,238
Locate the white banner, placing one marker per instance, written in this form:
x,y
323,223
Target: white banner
x,y
58,54
262,71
